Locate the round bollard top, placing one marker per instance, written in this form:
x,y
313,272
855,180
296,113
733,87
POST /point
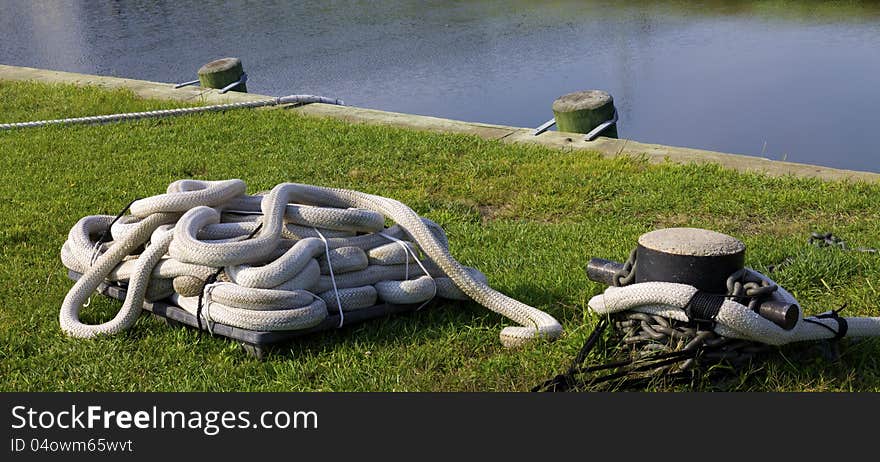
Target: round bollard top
x,y
220,65
582,100
692,242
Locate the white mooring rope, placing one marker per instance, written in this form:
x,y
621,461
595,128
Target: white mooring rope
x,y
291,99
276,251
733,320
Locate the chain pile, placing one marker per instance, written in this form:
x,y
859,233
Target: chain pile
x,y
275,262
645,335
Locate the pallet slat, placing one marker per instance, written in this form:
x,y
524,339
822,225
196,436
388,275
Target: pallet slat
x,y
254,342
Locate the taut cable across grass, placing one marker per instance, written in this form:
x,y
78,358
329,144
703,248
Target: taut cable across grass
x,y
107,118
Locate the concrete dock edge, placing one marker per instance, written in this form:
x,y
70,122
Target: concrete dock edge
x,y
558,140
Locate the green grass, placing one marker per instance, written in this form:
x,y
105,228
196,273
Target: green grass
x,y
529,217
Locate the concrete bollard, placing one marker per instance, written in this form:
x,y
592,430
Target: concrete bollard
x,y
582,111
222,72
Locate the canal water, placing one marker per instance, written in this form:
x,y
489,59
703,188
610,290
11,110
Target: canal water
x,y
795,80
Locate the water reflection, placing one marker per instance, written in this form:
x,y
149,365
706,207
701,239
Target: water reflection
x,y
789,79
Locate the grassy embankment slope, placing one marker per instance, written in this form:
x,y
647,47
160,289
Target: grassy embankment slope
x,y
528,217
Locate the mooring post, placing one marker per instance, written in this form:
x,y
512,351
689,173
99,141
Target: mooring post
x,y
221,73
583,111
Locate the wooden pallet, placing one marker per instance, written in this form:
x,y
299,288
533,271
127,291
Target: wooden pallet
x,y
255,343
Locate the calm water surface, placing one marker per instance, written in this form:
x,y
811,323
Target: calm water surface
x,y
793,80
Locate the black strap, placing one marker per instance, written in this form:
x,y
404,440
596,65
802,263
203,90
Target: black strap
x,y
211,279
842,325
703,307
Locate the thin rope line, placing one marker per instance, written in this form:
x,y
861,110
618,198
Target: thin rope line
x,y
332,277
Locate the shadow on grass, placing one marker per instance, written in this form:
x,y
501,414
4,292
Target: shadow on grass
x,y
805,366
422,326
430,324
802,366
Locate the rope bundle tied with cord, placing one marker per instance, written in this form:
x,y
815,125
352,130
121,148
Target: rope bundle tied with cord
x,y
275,262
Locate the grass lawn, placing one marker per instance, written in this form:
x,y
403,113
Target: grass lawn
x,y
528,217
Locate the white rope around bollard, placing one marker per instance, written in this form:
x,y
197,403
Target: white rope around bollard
x,y
733,320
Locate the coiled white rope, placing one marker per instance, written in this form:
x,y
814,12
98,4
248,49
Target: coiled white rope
x,y
291,99
734,320
317,250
